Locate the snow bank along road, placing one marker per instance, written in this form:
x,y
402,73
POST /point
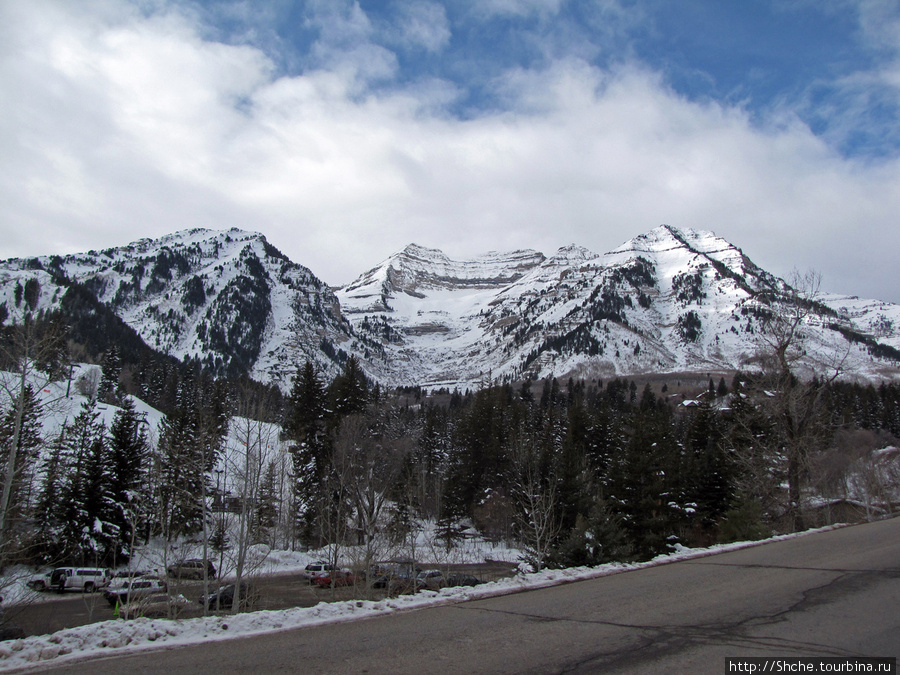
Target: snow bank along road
x,y
277,591
834,593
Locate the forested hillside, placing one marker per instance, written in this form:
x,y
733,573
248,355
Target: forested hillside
x,y
167,437
574,472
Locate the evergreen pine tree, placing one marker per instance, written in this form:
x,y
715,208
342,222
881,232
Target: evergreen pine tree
x,y
128,450
429,460
183,459
83,443
349,391
109,389
595,539
406,496
219,540
760,469
100,534
304,428
480,457
266,514
605,442
215,419
722,390
708,475
642,486
48,510
572,463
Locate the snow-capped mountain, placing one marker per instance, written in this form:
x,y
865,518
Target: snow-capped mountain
x,y
418,271
228,299
668,301
671,300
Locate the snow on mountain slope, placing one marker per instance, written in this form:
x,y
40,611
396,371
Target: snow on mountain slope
x,y
228,299
670,300
879,319
24,289
61,401
417,270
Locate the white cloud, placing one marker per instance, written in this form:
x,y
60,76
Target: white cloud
x,y
115,126
345,41
858,110
880,21
517,7
423,25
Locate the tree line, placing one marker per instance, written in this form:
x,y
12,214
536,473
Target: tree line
x,y
572,471
575,472
579,472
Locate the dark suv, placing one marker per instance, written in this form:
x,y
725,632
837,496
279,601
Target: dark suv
x,y
192,569
223,598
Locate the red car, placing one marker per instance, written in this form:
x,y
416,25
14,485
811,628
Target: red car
x,y
340,578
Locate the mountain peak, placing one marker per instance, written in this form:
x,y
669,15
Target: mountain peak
x,y
225,297
417,252
670,300
417,269
666,237
573,254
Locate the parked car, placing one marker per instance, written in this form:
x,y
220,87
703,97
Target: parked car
x,y
223,597
397,582
192,569
432,579
338,577
317,569
134,574
402,584
39,582
158,605
86,579
380,580
457,579
127,590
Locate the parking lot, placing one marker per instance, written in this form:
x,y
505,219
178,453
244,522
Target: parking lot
x,y
53,611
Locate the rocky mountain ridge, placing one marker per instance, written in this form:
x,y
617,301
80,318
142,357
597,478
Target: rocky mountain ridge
x,y
228,299
670,300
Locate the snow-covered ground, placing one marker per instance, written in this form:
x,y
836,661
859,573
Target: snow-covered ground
x,y
120,636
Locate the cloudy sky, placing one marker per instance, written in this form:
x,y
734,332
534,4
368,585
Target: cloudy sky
x,y
344,130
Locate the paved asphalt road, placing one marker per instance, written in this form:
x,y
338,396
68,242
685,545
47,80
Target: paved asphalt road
x,y
831,594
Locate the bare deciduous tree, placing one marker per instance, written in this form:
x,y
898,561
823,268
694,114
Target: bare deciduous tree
x,y
368,461
534,489
34,350
786,397
257,445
